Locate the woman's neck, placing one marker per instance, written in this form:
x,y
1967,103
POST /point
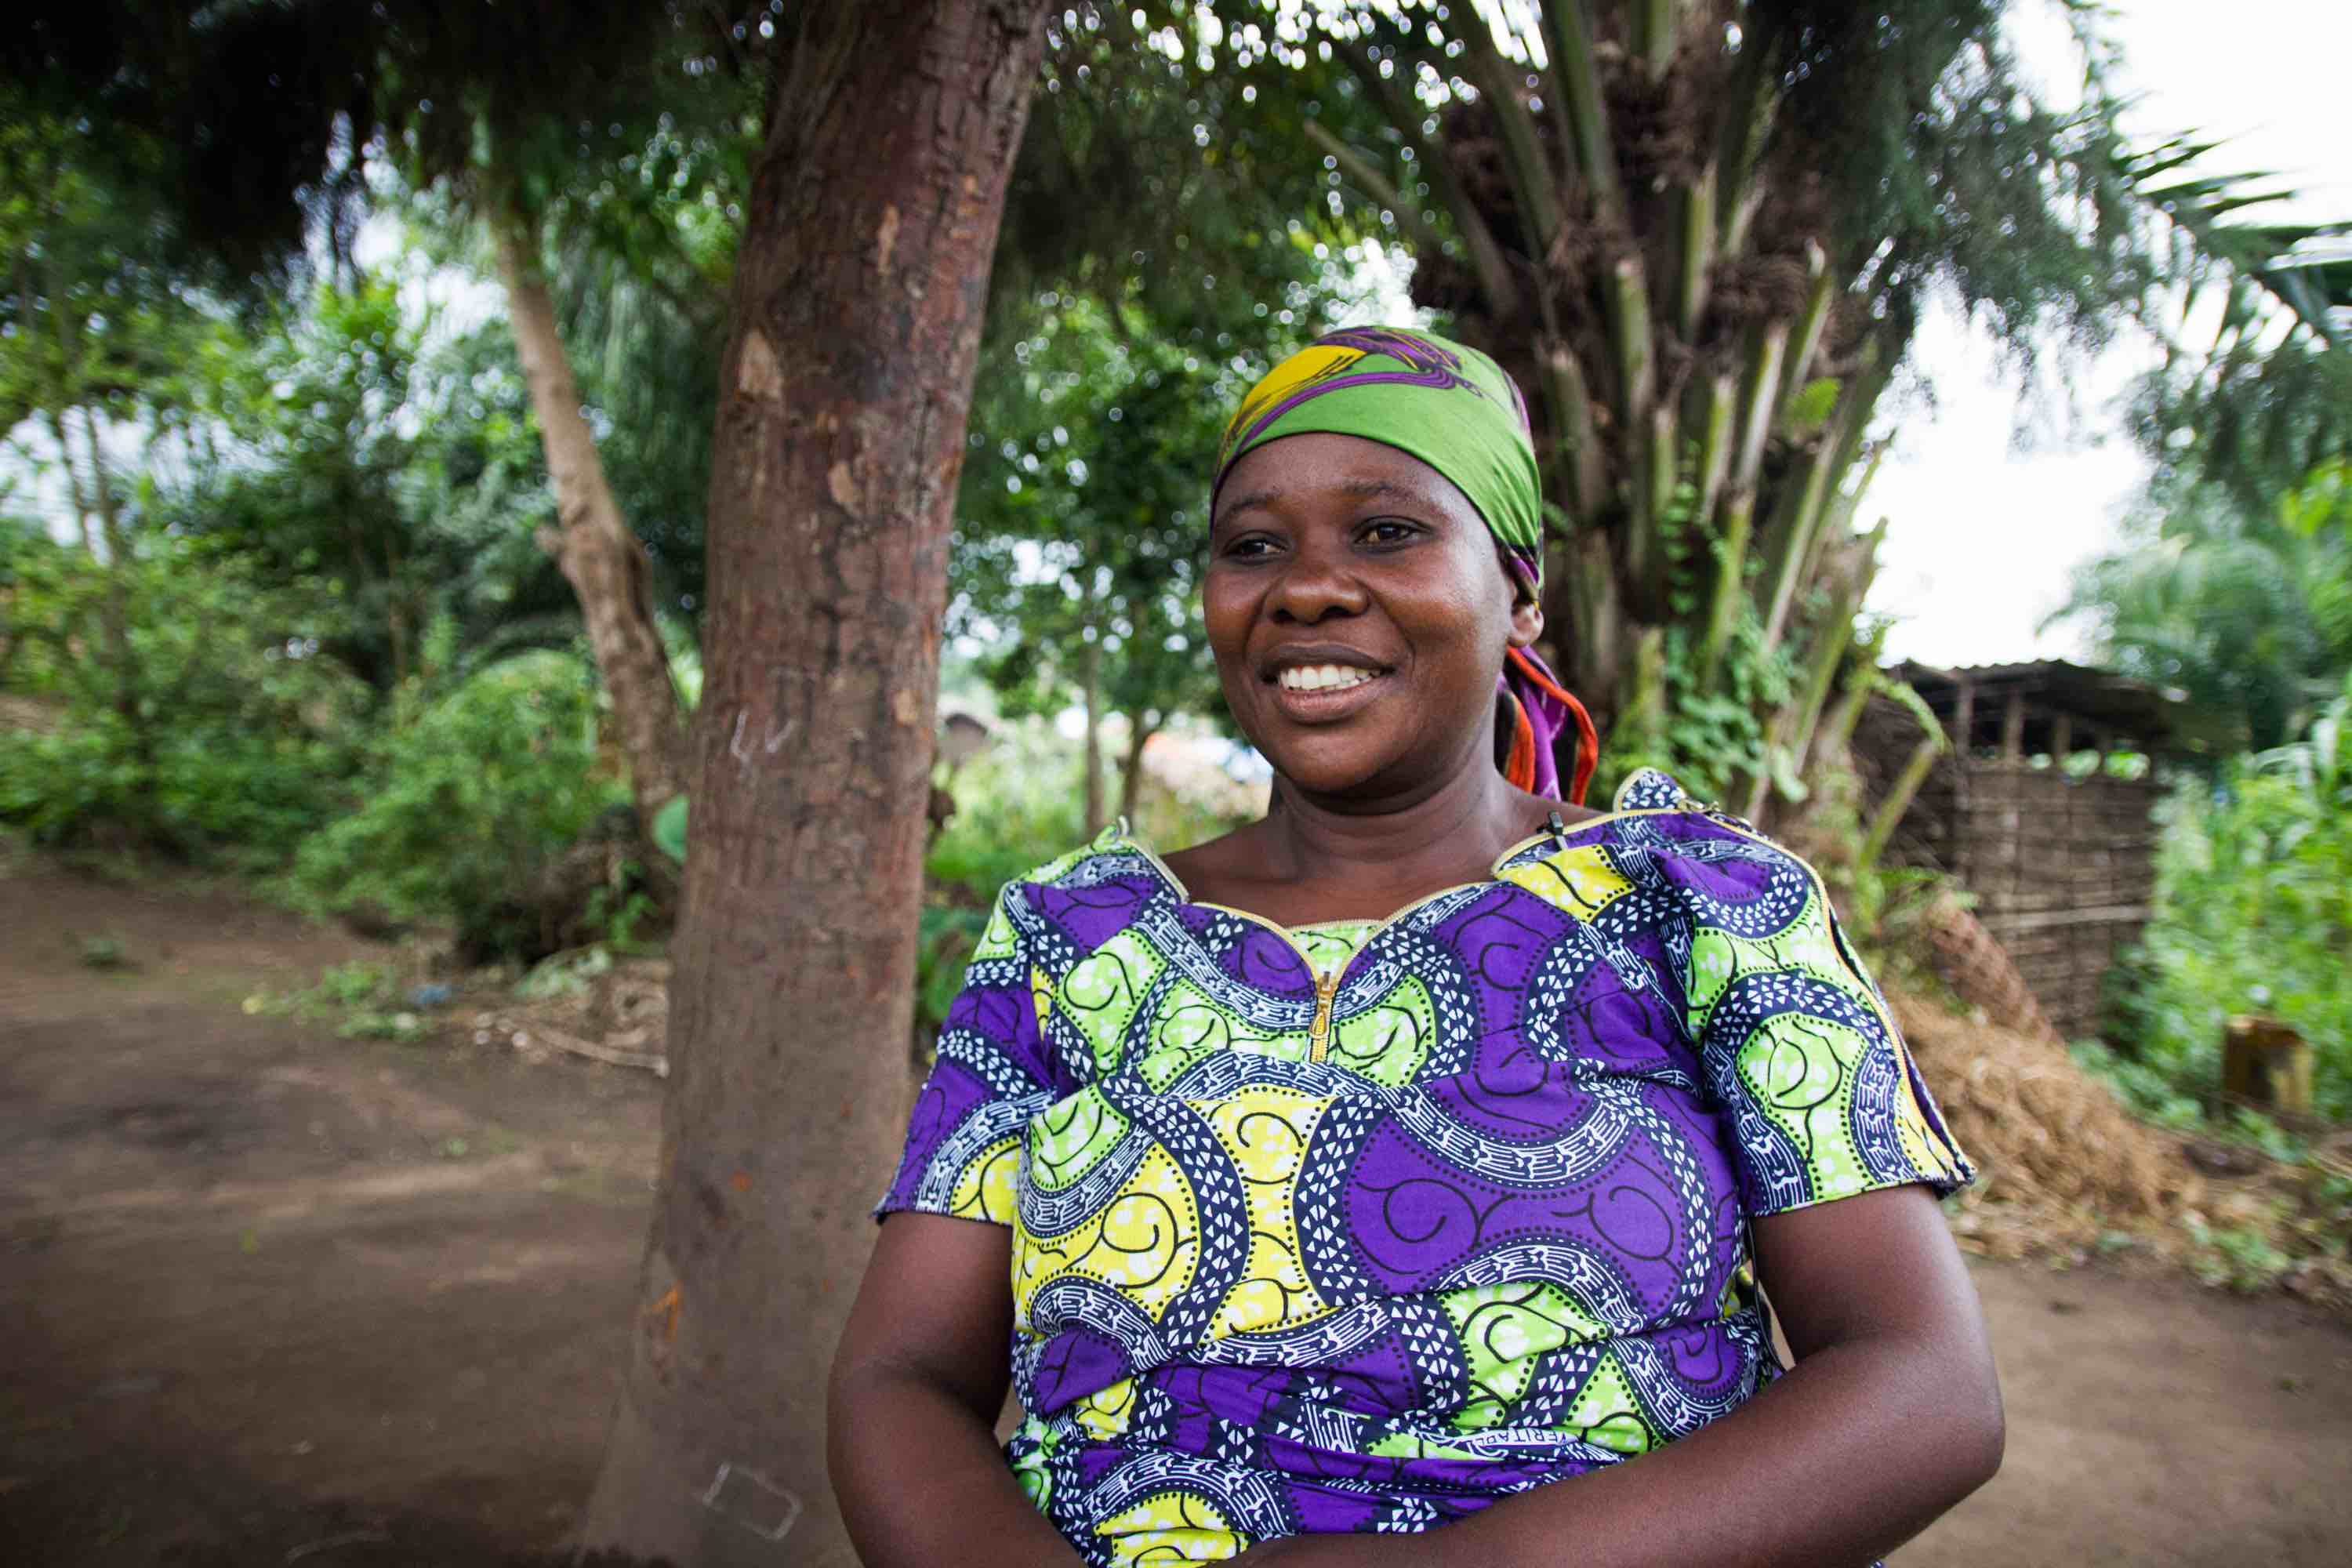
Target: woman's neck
x,y
1312,860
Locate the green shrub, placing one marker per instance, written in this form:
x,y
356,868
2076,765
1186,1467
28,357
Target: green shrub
x,y
470,798
192,713
2253,914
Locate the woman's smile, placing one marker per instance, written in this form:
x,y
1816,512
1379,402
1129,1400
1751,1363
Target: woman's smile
x,y
1322,683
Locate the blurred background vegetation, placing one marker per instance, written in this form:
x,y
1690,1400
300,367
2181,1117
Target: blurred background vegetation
x,y
282,582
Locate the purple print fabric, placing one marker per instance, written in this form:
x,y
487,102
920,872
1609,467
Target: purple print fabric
x,y
1362,1227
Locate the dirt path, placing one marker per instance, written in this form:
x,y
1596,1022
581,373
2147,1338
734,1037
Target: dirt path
x,y
270,1297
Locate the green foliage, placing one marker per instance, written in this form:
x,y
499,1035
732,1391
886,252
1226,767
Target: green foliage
x,y
565,974
2253,914
1082,515
2237,1257
470,796
101,952
1708,735
217,726
397,483
361,999
98,316
2248,610
1017,807
1165,170
2153,1094
669,829
2265,401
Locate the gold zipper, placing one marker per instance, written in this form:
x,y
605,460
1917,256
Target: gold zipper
x,y
1318,1035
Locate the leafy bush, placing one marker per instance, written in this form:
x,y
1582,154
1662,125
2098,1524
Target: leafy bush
x,y
471,798
2253,914
192,711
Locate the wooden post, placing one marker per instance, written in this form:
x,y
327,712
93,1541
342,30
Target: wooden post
x,y
2266,1065
1964,720
2012,730
2061,740
1899,796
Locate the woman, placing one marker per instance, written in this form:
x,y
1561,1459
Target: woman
x,y
1342,1184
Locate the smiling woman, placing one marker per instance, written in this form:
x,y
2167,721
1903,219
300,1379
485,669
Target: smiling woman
x,y
1391,1180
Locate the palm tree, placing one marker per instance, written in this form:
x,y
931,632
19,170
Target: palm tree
x,y
1701,232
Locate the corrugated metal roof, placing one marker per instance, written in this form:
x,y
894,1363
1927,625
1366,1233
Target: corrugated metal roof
x,y
2139,713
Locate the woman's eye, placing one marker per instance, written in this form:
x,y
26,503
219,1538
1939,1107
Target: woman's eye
x,y
1249,547
1389,530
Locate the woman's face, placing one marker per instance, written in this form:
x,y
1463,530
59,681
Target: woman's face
x,y
1359,615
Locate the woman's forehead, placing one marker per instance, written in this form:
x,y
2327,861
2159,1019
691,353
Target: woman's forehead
x,y
1324,465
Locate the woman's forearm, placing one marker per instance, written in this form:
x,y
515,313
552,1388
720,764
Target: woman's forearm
x,y
922,1482
1851,1454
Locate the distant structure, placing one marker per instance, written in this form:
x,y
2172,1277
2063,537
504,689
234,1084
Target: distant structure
x,y
961,737
2034,811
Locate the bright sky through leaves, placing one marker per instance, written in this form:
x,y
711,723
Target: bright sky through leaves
x,y
1985,534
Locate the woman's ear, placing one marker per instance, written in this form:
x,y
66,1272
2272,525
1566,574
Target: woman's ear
x,y
1526,617
1526,610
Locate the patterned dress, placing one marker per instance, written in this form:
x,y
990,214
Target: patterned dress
x,y
1362,1227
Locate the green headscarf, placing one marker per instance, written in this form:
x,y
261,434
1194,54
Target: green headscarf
x,y
1447,404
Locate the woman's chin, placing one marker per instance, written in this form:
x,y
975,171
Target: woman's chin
x,y
1336,766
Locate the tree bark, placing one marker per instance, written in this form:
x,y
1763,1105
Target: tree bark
x,y
1142,727
857,306
115,617
599,556
1090,683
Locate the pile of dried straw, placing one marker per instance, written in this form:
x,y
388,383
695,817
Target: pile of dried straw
x,y
2045,1133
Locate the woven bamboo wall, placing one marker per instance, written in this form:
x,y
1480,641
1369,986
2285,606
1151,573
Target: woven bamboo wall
x,y
2063,869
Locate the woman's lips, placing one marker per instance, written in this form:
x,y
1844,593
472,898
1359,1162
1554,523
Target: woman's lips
x,y
1323,694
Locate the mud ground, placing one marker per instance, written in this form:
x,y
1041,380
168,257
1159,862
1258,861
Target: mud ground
x,y
271,1296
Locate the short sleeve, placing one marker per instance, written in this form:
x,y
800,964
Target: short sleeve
x,y
993,1073
1799,1049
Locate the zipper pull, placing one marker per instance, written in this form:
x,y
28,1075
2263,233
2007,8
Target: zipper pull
x,y
1318,1035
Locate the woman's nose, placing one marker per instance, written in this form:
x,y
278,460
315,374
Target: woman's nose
x,y
1316,580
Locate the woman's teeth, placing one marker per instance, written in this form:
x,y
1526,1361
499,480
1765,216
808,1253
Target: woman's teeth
x,y
1325,678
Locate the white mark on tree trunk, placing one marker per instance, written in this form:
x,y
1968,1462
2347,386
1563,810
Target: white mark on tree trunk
x,y
757,373
844,488
739,744
885,240
906,707
751,1499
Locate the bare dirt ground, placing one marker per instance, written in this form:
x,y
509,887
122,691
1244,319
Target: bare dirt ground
x,y
271,1296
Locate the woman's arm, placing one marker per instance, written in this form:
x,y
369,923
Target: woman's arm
x,y
1891,1416
911,1413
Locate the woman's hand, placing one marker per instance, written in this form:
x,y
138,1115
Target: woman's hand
x,y
916,1386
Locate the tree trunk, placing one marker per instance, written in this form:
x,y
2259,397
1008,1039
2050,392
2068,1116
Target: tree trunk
x,y
117,614
1090,683
599,556
1142,728
857,308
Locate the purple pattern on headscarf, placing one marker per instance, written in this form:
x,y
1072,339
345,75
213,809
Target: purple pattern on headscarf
x,y
1433,365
